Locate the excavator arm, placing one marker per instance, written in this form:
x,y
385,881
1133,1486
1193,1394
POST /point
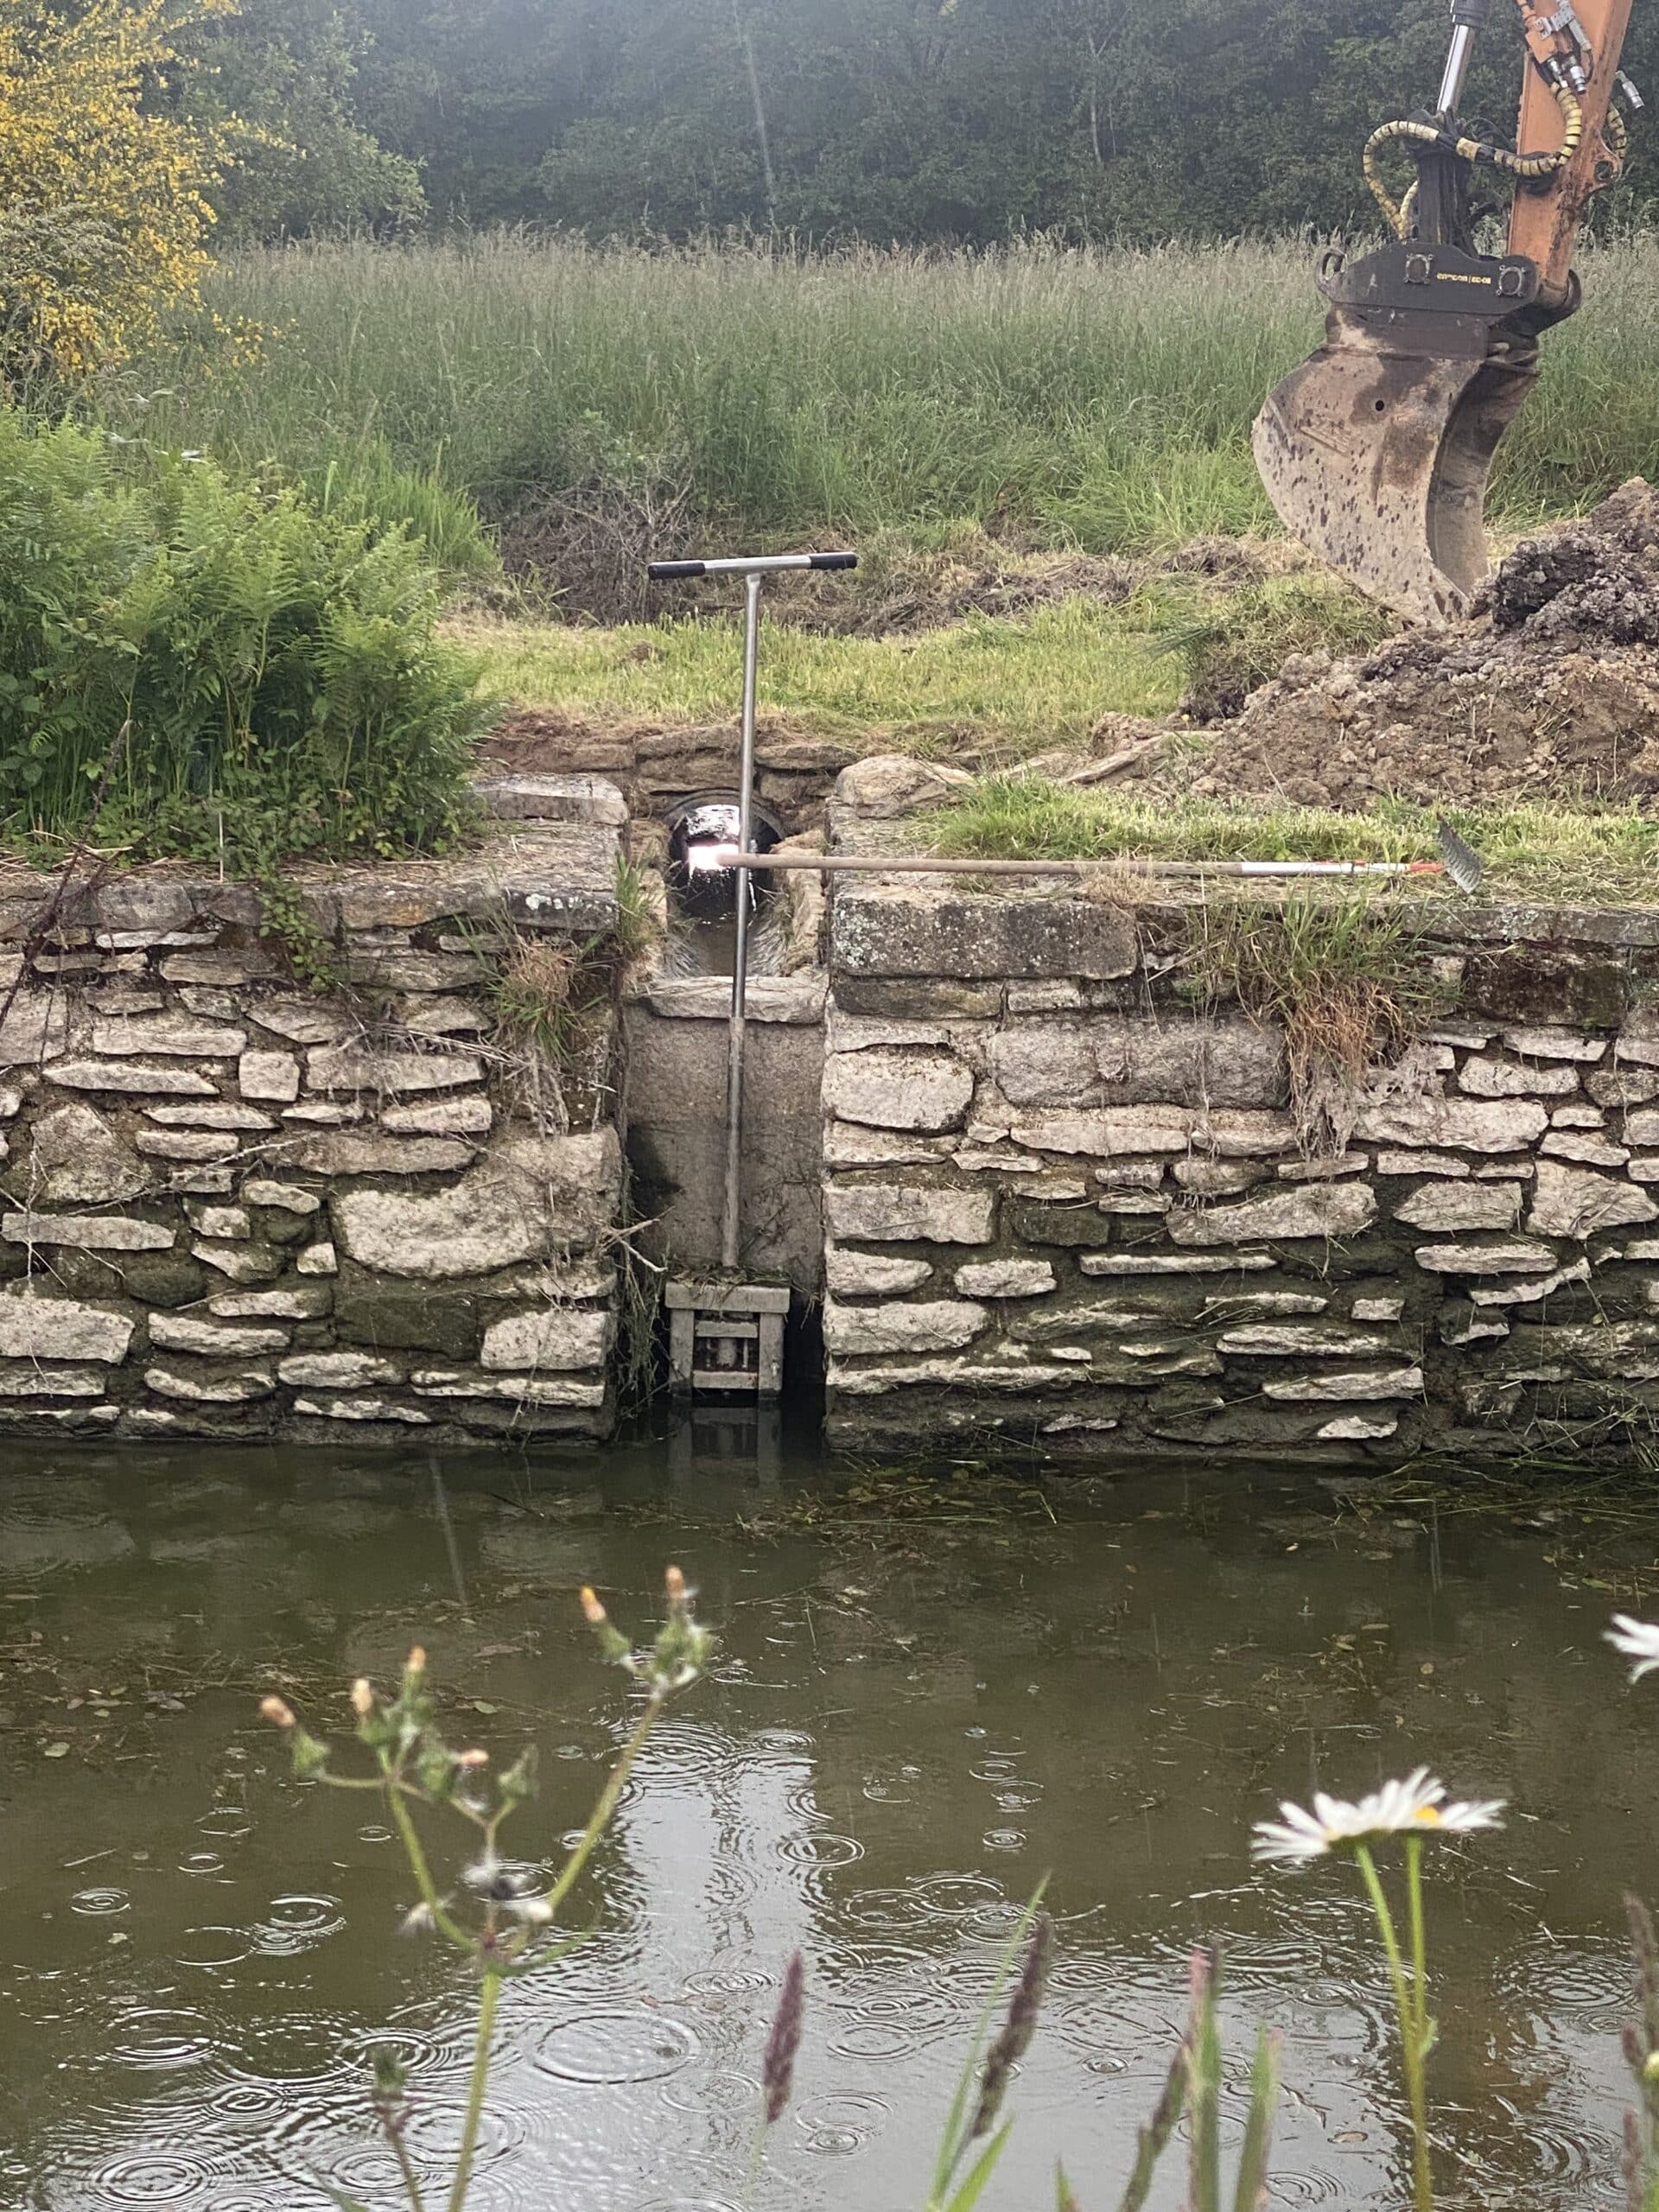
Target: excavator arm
x,y
1376,450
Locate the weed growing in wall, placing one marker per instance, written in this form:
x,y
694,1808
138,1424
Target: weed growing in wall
x,y
1347,980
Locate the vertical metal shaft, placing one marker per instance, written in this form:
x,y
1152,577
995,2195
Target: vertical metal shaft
x,y
730,1231
1456,69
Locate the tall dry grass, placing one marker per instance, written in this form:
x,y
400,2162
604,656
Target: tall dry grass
x,y
1096,398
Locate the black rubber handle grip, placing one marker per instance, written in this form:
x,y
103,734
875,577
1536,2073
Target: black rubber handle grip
x,y
1470,15
835,560
661,571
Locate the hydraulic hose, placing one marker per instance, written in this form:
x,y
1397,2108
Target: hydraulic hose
x,y
1528,167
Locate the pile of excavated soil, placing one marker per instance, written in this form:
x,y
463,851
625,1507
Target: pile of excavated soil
x,y
1551,692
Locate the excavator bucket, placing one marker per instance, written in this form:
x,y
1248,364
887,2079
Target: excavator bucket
x,y
1376,451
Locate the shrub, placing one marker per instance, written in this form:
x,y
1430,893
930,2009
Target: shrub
x,y
276,668
105,211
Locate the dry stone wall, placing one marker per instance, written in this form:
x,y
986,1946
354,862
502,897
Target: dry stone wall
x,y
231,1206
1063,1208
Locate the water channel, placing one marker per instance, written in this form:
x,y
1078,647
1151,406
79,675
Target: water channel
x,y
910,1722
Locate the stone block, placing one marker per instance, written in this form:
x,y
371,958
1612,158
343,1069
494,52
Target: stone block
x,y
1528,986
1289,1340
249,1263
287,1197
849,1144
1547,1044
1516,1258
1461,1124
228,969
1576,1117
1495,1078
878,932
292,1302
337,1371
1533,1290
883,999
1356,1428
1462,1205
1118,1059
1577,1202
216,1339
133,1078
1175,1263
470,1116
1622,1086
553,1337
27,1380
72,1156
318,1259
518,1389
35,1025
219,1114
1378,1309
346,1151
273,1075
1582,1146
1360,1383
1421,1163
210,1385
353,1067
34,1325
960,1373
363,1409
217,1221
898,1086
186,1144
302,1021
530,1198
1326,1209
1005,1279
902,1213
87,1232
177,1035
872,1274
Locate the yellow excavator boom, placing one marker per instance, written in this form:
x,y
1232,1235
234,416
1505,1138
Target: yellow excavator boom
x,y
1377,449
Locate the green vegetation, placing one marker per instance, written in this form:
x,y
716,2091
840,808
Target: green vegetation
x,y
1596,856
967,121
1094,400
1347,980
202,667
1228,646
1017,686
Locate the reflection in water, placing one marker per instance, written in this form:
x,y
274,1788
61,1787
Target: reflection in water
x,y
196,1956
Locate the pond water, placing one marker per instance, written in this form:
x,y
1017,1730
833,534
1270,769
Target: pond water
x,y
908,1726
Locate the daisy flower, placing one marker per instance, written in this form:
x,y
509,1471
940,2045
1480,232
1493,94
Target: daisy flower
x,y
1637,1640
1415,1806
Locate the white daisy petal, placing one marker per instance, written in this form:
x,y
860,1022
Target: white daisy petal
x,y
1413,1806
1637,1640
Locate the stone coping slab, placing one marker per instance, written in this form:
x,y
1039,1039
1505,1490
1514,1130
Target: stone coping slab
x,y
557,874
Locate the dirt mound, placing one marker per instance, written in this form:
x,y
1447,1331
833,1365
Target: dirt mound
x,y
1551,692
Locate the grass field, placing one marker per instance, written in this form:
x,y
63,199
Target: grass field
x,y
1014,686
1096,400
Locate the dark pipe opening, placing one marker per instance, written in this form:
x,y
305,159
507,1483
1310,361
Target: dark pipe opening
x,y
696,825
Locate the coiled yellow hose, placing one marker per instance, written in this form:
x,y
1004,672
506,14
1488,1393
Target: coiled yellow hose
x,y
1529,166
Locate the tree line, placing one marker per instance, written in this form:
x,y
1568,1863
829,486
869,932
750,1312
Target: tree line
x,y
913,121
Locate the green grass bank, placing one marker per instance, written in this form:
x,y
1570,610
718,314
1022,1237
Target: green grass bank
x,y
1099,400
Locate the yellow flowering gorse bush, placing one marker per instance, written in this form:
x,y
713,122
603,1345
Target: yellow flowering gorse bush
x,y
104,205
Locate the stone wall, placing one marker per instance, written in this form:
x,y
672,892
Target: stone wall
x,y
1062,1208
231,1206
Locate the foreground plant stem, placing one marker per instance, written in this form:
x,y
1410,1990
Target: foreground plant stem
x,y
493,1974
483,2041
1409,2006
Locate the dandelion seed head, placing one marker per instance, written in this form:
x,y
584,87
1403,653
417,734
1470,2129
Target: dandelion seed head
x,y
278,1711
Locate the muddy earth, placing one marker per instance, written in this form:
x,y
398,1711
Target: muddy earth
x,y
1551,691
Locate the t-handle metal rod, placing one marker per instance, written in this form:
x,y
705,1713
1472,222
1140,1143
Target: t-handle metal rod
x,y
731,1226
752,570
